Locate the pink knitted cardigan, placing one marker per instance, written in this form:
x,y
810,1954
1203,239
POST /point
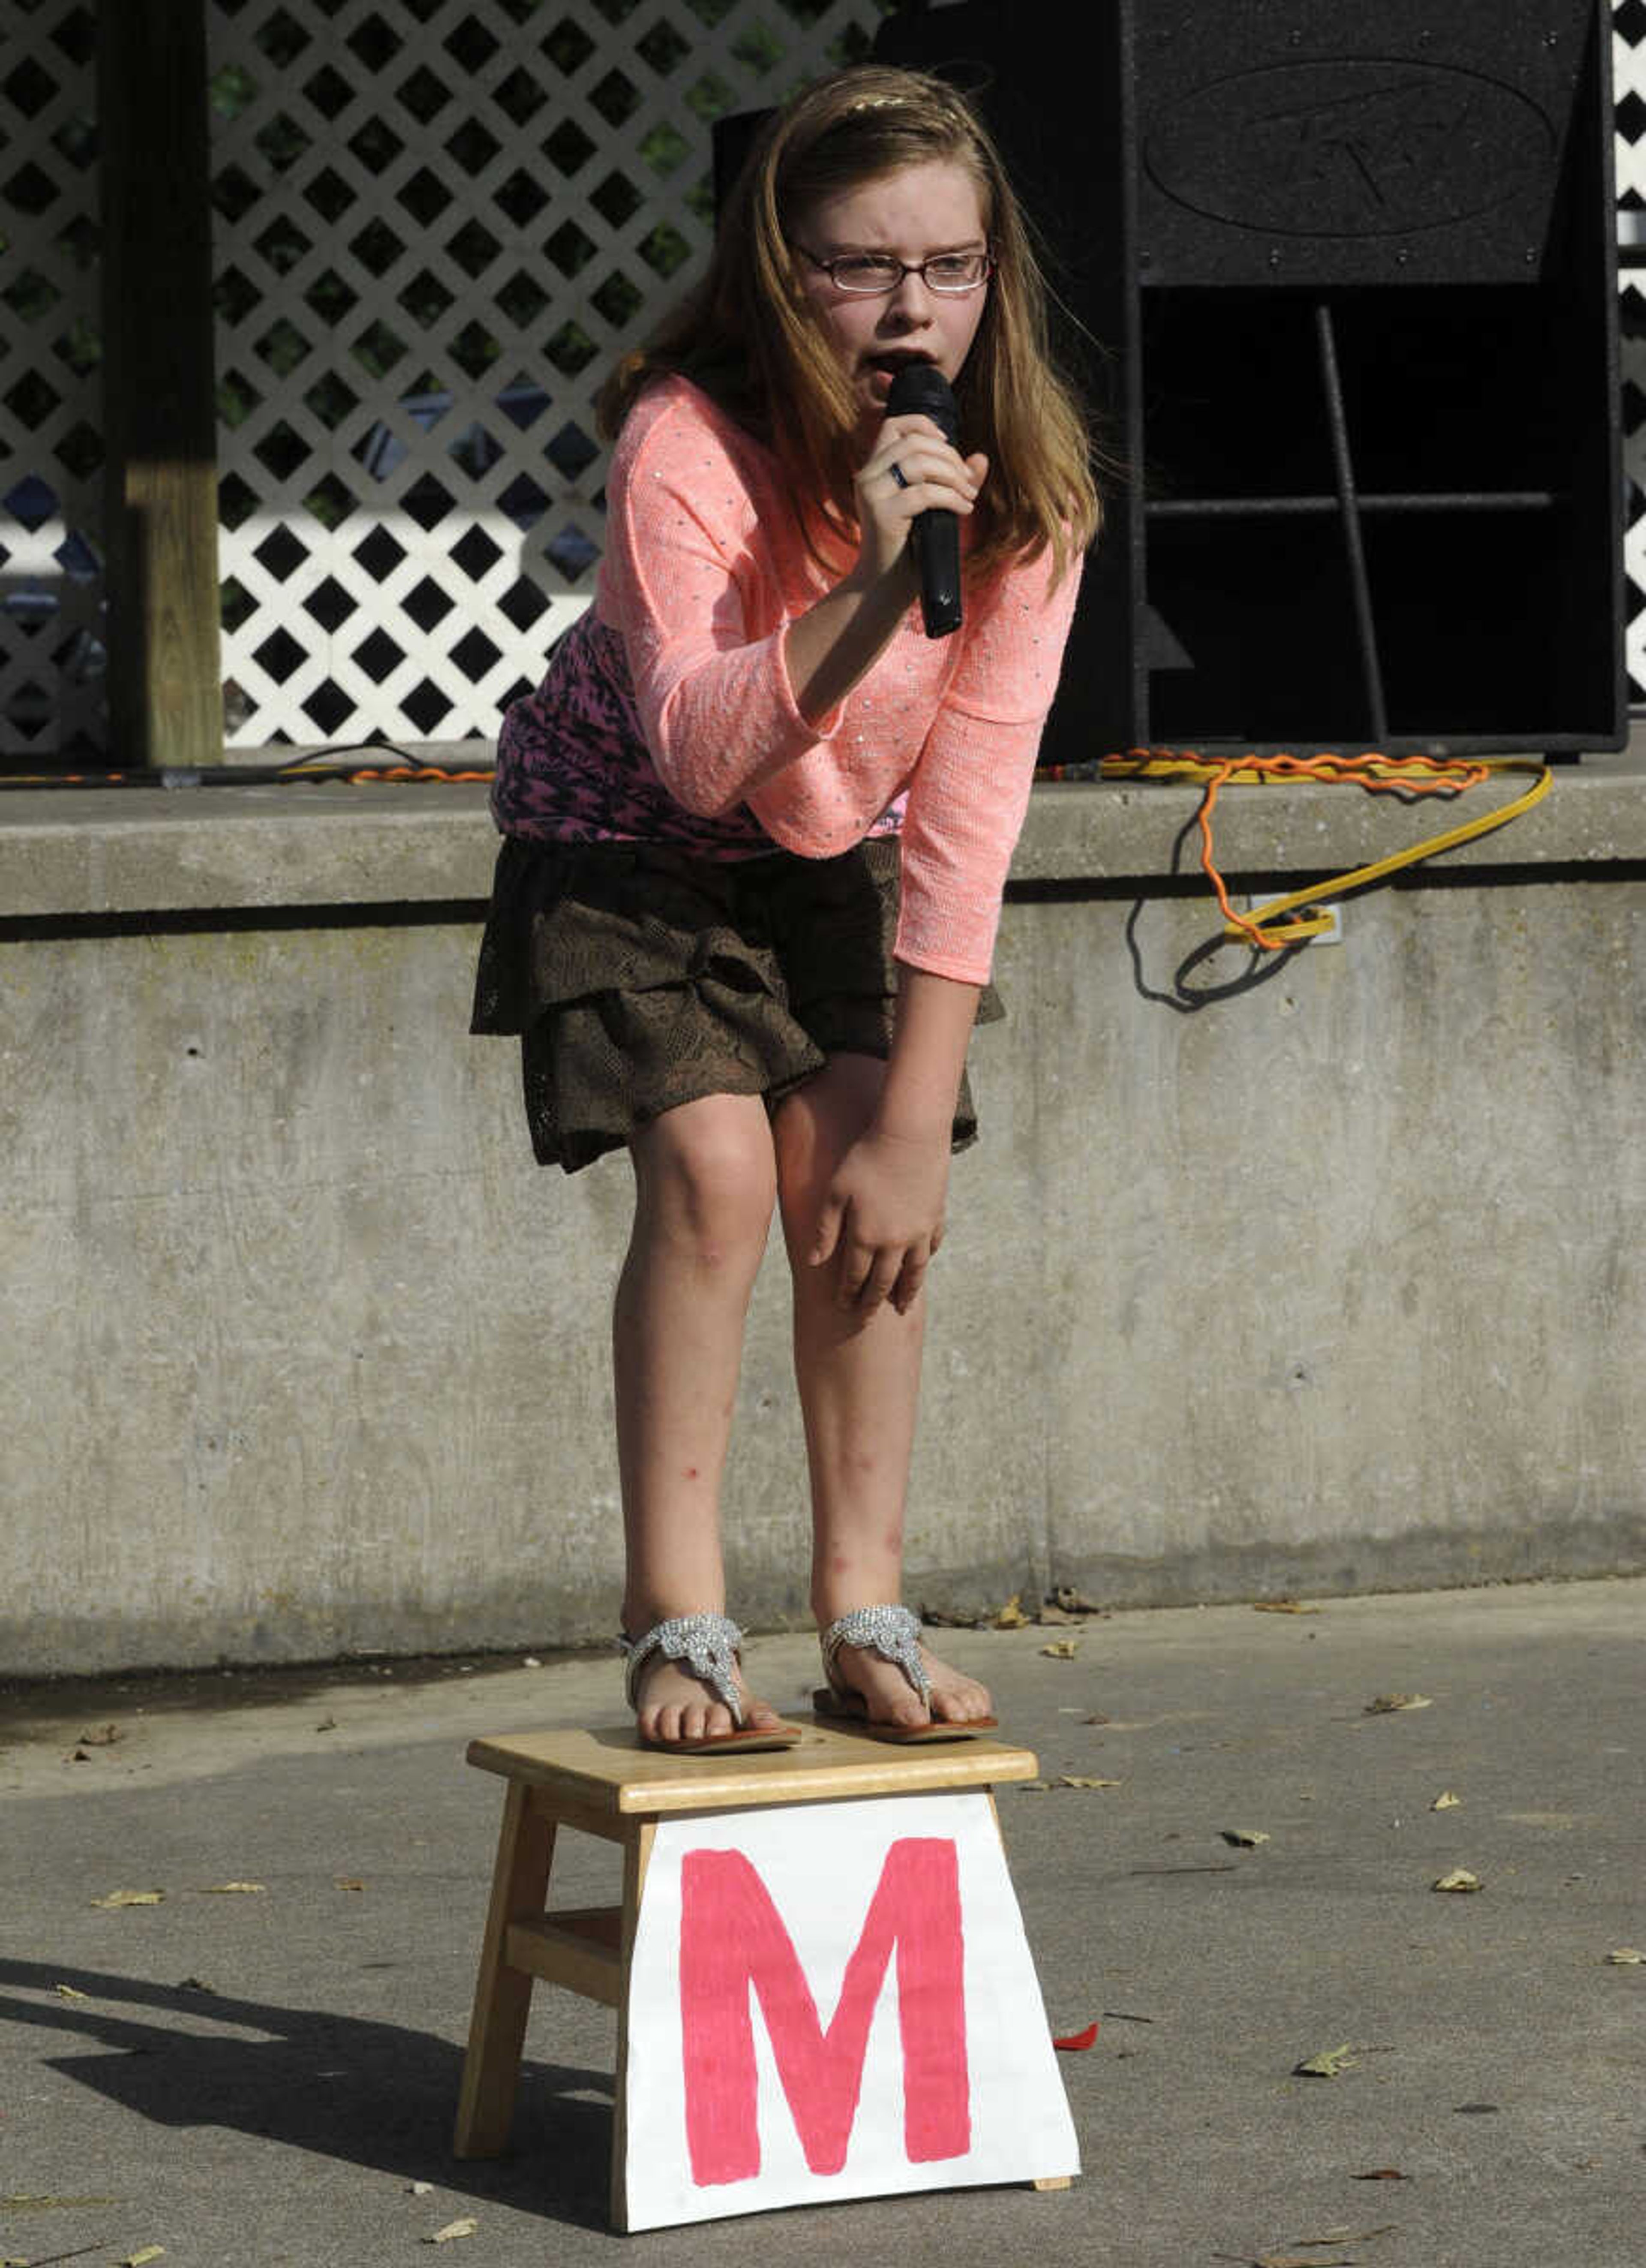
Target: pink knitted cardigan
x,y
705,567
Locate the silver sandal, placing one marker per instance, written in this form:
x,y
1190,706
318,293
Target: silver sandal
x,y
708,1645
893,1633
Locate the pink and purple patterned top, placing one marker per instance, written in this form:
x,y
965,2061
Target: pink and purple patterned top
x,y
668,715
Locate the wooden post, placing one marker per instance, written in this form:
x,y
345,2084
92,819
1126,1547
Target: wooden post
x,y
165,700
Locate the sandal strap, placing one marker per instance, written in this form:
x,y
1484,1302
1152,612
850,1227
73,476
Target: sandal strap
x,y
892,1633
708,1644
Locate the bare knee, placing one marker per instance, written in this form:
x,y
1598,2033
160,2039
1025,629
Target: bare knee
x,y
814,1129
706,1181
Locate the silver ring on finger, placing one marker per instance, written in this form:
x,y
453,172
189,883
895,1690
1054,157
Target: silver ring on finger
x,y
898,475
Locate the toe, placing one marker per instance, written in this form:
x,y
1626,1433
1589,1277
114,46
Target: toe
x,y
886,1693
957,1700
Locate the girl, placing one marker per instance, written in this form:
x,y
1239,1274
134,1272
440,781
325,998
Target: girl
x,y
749,786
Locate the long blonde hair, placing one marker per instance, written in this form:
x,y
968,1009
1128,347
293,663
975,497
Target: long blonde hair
x,y
748,337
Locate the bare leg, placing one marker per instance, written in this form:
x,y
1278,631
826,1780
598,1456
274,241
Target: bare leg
x,y
859,1383
705,1180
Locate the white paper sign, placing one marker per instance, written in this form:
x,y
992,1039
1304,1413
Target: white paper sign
x,y
835,2000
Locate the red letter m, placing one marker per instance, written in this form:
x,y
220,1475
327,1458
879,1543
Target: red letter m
x,y
732,1937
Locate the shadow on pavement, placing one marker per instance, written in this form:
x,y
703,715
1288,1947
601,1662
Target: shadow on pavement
x,y
369,2094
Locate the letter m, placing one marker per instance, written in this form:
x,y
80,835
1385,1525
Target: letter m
x,y
732,1938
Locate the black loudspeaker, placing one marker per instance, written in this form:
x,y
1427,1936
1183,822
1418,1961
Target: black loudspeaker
x,y
1352,270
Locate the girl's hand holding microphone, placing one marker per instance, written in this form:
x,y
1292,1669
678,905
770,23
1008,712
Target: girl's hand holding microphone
x,y
910,469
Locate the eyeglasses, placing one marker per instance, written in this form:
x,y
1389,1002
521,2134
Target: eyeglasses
x,y
872,275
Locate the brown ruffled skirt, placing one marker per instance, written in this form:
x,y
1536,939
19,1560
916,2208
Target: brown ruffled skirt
x,y
638,977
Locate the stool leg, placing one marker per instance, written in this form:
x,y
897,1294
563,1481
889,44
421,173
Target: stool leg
x,y
503,1996
637,1857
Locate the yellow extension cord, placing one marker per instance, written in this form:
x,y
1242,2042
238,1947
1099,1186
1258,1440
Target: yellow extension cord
x,y
1406,775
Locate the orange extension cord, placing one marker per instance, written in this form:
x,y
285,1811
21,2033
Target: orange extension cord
x,y
1273,930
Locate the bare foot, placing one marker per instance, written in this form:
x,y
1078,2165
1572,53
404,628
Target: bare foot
x,y
892,1700
675,1706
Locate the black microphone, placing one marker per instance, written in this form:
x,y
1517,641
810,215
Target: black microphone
x,y
921,389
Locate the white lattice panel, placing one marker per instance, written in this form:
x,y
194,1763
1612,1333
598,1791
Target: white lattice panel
x,y
51,582
1629,95
439,222
1628,70
1634,357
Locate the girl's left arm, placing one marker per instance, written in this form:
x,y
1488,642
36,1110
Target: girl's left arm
x,y
970,789
882,1219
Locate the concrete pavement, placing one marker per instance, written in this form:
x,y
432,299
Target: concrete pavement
x,y
248,2078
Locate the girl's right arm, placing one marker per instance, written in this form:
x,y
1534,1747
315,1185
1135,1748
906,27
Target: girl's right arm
x,y
692,574
840,639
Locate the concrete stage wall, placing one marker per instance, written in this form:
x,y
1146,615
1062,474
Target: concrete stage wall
x,y
1332,1281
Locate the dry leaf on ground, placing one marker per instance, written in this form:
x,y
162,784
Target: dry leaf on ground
x,y
1446,1800
1012,1616
27,2201
104,1737
453,2228
1382,2174
1383,1705
236,1890
1074,1603
1058,1615
1459,1878
69,1992
1063,1779
1281,2260
129,1898
1328,2065
1243,1838
1625,1957
1282,1606
1063,1649
143,2256
1316,2245
349,1883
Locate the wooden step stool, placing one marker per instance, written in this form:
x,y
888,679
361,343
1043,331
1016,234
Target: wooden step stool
x,y
603,1783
